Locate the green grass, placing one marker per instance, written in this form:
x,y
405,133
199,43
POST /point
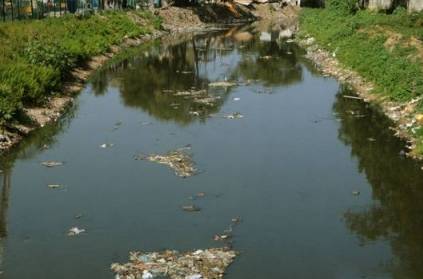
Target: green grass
x,y
37,56
360,45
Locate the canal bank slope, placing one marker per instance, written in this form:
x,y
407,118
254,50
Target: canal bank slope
x,y
44,63
379,55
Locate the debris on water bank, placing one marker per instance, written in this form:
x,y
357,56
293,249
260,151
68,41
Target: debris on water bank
x,y
74,231
179,160
206,264
51,164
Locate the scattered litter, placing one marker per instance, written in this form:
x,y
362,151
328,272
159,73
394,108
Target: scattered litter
x,y
55,186
198,96
209,263
356,193
75,231
222,84
235,115
106,145
191,208
236,99
51,164
179,160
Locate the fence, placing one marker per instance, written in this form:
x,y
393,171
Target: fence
x,y
37,9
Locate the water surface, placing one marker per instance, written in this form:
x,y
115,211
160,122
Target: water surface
x,y
288,168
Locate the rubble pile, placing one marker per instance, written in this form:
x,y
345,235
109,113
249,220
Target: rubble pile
x,y
207,264
179,160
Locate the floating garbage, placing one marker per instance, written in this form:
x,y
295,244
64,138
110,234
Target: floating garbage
x,y
209,263
221,237
198,96
356,193
191,208
222,84
55,186
51,164
235,115
236,99
106,145
74,231
179,160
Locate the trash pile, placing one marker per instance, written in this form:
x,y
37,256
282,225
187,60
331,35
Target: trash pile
x,y
207,264
179,160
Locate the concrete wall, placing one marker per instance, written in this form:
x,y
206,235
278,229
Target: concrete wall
x,y
415,5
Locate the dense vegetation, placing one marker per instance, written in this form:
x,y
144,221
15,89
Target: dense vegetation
x,y
36,56
359,39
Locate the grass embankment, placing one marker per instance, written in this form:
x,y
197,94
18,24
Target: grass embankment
x,y
386,49
36,57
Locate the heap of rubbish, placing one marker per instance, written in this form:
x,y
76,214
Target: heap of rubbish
x,y
179,160
199,264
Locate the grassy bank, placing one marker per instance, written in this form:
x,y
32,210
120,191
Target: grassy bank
x,y
386,49
378,46
37,56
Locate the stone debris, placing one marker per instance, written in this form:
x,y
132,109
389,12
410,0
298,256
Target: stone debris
x,y
207,264
179,160
51,164
222,84
74,231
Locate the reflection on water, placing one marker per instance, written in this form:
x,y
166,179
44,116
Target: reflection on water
x,y
396,214
283,170
145,81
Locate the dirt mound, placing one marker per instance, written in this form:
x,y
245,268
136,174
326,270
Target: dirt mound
x,y
178,18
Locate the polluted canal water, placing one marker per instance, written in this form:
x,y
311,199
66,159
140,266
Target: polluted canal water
x,y
298,180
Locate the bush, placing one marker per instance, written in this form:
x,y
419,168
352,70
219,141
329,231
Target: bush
x,y
342,6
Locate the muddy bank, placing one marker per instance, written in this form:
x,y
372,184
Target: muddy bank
x,y
175,21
